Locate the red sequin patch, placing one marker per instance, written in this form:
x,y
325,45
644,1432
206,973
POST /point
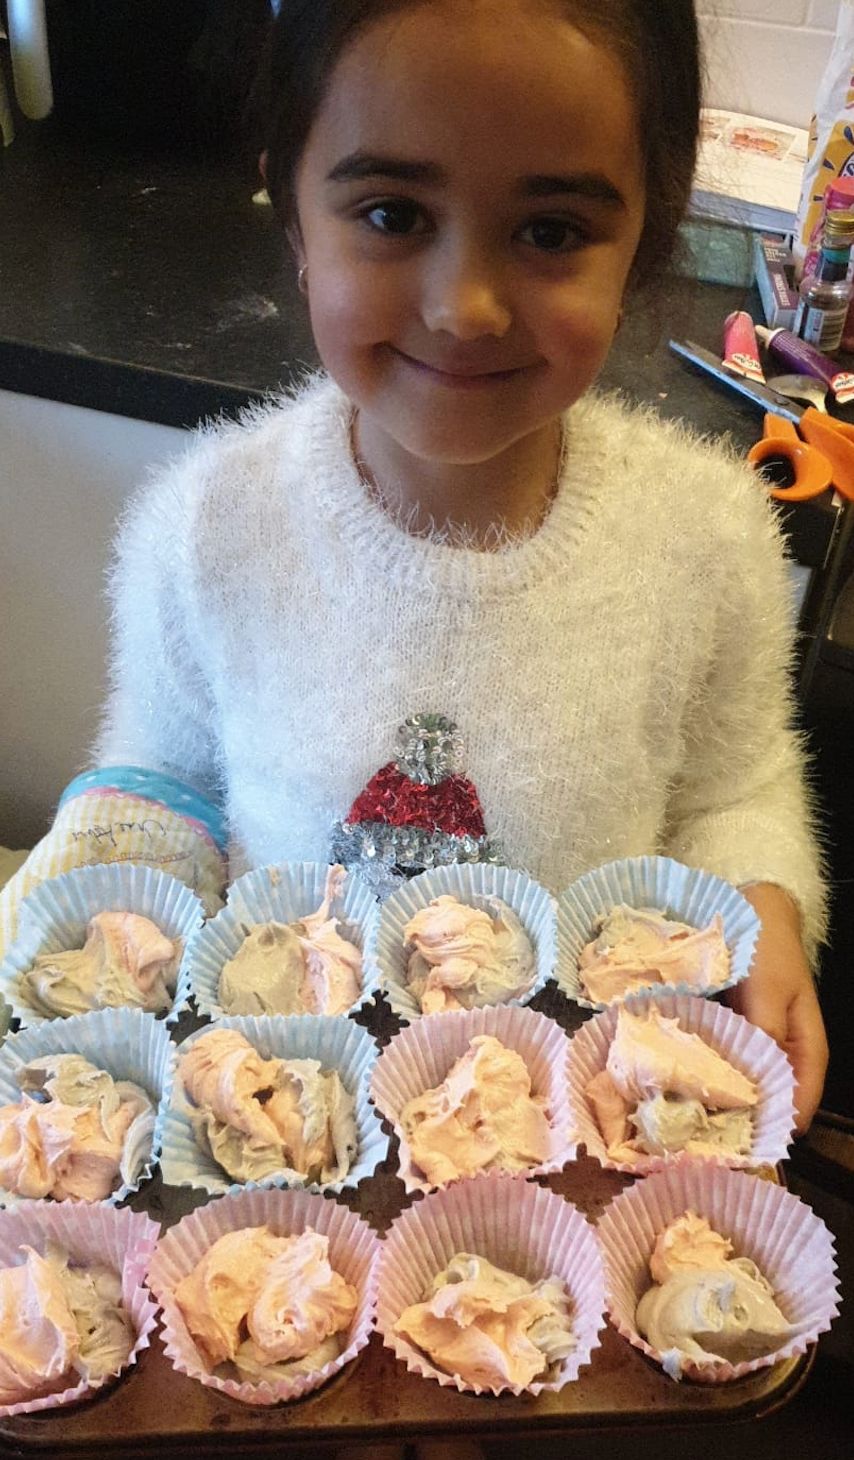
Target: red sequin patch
x,y
390,796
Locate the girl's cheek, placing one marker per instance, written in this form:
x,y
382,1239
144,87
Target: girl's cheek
x,y
586,328
353,302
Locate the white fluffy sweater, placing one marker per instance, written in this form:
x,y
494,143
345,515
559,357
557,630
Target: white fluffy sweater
x,y
619,678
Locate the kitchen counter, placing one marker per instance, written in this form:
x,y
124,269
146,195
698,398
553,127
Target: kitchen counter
x,y
154,287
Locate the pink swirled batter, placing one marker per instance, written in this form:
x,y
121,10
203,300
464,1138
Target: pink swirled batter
x,y
257,1116
305,967
706,1305
125,960
492,1328
664,1090
271,1306
58,1325
464,958
89,1134
637,948
482,1117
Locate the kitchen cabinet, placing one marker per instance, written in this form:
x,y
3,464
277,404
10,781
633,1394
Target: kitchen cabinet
x,y
65,475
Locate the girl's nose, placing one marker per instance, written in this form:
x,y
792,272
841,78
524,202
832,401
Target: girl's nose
x,y
463,298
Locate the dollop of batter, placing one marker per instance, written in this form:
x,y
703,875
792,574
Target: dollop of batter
x,y
638,947
76,1132
490,1327
706,1305
482,1117
305,967
677,1093
59,1324
269,1306
125,960
259,1116
463,958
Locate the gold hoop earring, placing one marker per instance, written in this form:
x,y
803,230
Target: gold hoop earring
x,y
302,279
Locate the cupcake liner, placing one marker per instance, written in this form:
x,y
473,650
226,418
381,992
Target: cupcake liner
x,y
473,883
283,894
353,1251
420,1057
55,914
790,1245
127,1043
96,1233
516,1225
683,893
337,1043
748,1049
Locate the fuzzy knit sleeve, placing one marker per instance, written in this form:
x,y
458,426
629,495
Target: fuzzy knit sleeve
x,y
742,805
160,711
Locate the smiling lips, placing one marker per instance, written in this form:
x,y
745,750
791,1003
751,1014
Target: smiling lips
x,y
458,377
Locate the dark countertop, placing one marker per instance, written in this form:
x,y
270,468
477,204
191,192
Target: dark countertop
x,y
153,287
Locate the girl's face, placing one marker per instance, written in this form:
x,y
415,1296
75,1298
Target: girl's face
x,y
469,203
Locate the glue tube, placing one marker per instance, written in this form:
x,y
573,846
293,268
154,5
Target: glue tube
x,y
741,352
805,359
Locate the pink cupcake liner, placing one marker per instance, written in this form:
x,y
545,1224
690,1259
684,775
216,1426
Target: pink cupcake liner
x,y
353,1250
420,1057
790,1245
516,1225
748,1049
90,1233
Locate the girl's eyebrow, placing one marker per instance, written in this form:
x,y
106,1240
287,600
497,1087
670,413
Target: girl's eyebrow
x,y
360,165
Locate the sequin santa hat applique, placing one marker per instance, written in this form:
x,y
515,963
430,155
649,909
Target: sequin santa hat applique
x,y
418,811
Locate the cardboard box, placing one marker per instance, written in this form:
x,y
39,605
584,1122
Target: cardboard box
x,y
775,280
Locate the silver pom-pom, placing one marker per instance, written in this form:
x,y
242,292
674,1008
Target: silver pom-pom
x,y
429,749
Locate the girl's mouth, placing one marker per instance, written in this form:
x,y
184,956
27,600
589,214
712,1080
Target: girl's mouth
x,y
458,378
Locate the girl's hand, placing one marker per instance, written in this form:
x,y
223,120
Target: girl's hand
x,y
779,996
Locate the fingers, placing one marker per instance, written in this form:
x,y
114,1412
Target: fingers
x,y
806,1046
766,1009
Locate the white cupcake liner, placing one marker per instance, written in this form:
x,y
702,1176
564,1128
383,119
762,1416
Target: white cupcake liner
x,y
516,1225
686,894
337,1043
55,914
420,1057
283,894
353,1252
471,883
95,1233
128,1043
748,1049
790,1245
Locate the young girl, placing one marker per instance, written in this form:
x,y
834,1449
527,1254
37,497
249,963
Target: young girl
x,y
578,615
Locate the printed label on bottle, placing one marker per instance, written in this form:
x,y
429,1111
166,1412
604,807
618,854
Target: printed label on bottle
x,y
821,327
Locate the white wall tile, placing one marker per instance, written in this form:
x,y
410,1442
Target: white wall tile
x,y
823,13
768,71
780,12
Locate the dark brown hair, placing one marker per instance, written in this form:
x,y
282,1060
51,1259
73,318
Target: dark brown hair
x,y
656,41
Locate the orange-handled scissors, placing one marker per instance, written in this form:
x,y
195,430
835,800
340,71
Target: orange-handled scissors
x,y
799,469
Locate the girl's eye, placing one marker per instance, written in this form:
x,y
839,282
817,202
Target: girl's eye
x,y
553,235
395,216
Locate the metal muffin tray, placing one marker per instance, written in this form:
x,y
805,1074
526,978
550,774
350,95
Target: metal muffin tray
x,y
155,1410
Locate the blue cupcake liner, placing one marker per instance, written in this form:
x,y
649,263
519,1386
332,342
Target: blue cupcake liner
x,y
686,894
283,894
472,883
337,1043
128,1043
54,917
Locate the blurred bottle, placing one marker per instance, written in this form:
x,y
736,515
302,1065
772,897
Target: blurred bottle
x,y
825,294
